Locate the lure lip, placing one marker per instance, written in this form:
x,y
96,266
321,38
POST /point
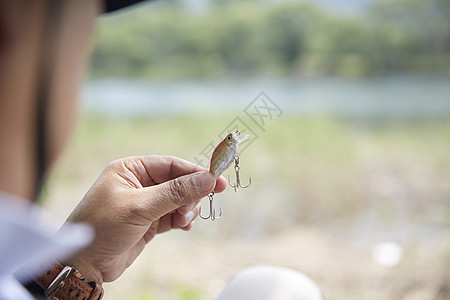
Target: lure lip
x,y
239,139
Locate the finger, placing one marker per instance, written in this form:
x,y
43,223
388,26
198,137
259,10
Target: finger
x,y
180,221
176,220
161,199
188,207
221,184
165,223
188,227
155,169
183,221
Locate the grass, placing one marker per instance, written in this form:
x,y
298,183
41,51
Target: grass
x,y
324,192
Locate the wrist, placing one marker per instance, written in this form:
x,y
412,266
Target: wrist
x,y
87,269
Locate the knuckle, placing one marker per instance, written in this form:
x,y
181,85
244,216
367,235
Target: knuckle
x,y
113,165
179,192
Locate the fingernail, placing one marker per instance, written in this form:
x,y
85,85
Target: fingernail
x,y
189,217
203,181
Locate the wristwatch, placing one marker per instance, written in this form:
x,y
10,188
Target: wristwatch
x,y
65,282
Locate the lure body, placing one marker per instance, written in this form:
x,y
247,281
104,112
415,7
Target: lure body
x,y
224,153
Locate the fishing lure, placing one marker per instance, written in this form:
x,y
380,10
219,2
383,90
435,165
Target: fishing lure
x,y
222,157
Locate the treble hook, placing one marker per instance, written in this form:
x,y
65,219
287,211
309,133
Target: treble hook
x,y
238,182
212,211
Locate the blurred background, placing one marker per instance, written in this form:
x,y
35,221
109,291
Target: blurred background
x,y
348,108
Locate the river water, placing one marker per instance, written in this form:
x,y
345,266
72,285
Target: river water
x,y
393,96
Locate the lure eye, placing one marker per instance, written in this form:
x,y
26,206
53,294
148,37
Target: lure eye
x,y
229,137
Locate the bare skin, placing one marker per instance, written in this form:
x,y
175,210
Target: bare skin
x,y
134,198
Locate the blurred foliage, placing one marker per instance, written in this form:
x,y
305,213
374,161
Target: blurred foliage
x,y
167,40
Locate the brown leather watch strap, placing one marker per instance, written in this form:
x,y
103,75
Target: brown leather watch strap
x,y
69,283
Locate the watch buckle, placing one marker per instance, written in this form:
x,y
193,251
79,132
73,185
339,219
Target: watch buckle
x,y
58,282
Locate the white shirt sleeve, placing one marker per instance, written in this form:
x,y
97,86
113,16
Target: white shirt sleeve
x,y
25,242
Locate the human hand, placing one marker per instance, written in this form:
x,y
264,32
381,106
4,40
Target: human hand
x,y
134,199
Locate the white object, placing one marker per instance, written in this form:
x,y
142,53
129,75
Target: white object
x,y
387,254
270,283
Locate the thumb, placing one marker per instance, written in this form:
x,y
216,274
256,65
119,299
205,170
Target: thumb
x,y
170,195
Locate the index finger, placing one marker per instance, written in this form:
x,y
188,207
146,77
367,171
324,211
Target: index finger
x,y
155,169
